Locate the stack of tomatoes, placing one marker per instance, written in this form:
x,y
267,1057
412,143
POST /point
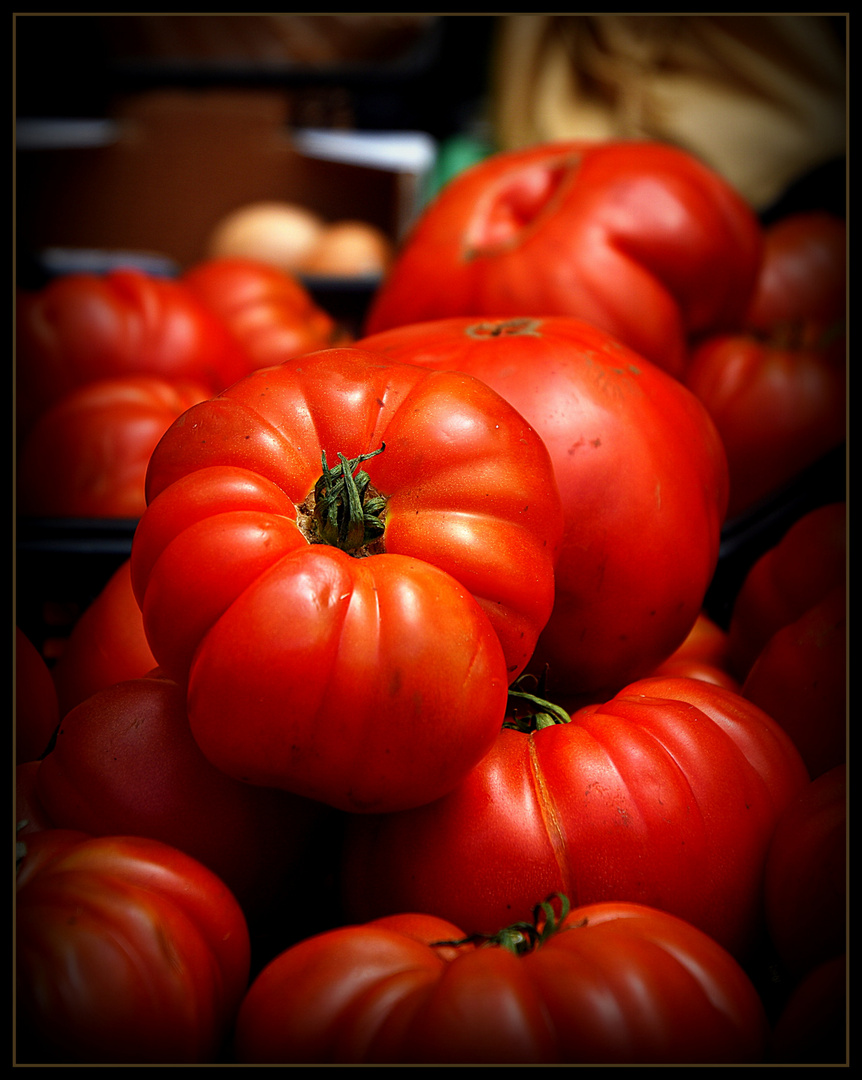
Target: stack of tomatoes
x,y
106,362
417,744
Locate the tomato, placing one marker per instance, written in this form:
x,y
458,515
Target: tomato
x,y
83,327
776,386
805,884
87,454
639,238
666,795
127,952
789,578
812,1026
641,473
37,710
372,681
125,763
800,679
106,645
803,278
778,410
604,984
269,311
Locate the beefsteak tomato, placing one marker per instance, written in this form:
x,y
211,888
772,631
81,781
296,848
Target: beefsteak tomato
x,y
86,455
371,681
666,795
83,327
269,311
605,984
639,238
641,473
128,952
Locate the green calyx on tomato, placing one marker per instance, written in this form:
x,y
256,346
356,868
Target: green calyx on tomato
x,y
526,712
344,510
524,937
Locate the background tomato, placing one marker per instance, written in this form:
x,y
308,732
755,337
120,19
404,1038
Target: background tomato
x,y
800,679
37,709
127,952
125,763
776,385
641,473
269,311
799,570
87,454
84,327
106,644
802,282
638,238
666,795
805,885
778,409
384,993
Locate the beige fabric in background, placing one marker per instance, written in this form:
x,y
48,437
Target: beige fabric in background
x,y
760,98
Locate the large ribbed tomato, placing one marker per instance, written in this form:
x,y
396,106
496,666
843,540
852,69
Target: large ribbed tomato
x,y
641,473
348,560
606,984
636,237
666,795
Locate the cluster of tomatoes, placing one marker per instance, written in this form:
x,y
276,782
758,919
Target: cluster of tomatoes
x,y
403,736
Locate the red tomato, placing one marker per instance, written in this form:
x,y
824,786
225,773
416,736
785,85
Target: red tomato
x,y
805,884
703,655
87,454
800,679
802,285
667,795
368,682
812,1026
639,238
37,710
83,327
606,984
125,763
127,952
778,409
807,563
106,645
641,473
269,311
776,386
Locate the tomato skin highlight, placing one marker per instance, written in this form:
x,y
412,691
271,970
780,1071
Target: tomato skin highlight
x,y
617,984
